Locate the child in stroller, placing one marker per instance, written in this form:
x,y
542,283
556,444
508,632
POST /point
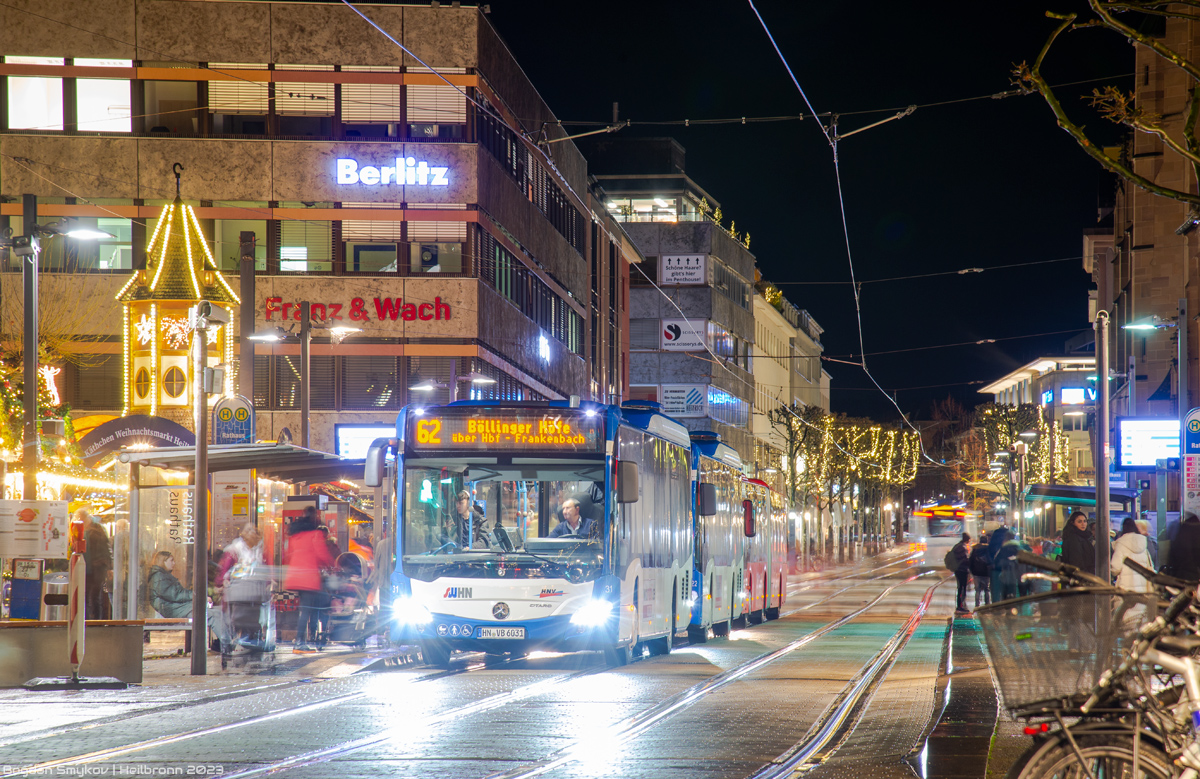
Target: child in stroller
x,y
351,620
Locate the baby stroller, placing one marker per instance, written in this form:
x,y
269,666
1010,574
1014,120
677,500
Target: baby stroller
x,y
351,619
250,614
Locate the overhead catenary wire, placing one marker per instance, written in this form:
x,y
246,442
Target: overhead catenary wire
x,y
717,360
745,120
831,137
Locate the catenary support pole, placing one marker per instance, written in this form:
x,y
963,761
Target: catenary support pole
x,y
246,317
29,273
200,499
305,375
1100,456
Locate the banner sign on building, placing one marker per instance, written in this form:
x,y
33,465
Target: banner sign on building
x,y
684,400
682,269
1191,463
33,528
233,421
134,429
683,335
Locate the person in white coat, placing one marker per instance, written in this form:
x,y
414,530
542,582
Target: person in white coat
x,y
1131,545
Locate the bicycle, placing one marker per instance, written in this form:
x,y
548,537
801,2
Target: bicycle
x,y
1101,672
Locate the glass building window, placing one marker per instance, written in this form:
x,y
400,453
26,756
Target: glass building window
x,y
238,106
436,247
371,110
102,105
305,246
95,385
370,246
371,382
303,107
171,107
287,382
35,102
227,249
436,110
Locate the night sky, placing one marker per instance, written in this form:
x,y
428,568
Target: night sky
x,y
981,183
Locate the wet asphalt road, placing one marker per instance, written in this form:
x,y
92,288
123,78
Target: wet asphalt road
x,y
547,715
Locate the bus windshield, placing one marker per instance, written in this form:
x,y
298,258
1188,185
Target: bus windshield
x,y
462,515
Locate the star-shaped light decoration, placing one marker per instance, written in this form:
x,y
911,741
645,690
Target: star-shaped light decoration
x,y
176,332
145,330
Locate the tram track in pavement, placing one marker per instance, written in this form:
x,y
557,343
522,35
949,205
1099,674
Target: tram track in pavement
x,y
623,731
305,682
52,766
641,722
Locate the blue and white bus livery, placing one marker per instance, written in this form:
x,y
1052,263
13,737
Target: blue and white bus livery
x,y
481,562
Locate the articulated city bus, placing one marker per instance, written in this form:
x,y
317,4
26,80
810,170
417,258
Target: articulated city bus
x,y
766,553
523,526
717,574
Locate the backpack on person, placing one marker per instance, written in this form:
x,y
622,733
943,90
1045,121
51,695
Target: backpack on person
x,y
951,561
978,563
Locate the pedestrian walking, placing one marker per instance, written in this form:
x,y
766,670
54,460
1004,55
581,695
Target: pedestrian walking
x,y
306,556
995,543
97,556
1077,546
1183,559
246,588
1131,545
980,566
1078,550
1151,542
962,574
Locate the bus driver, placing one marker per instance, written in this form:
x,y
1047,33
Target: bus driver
x,y
572,524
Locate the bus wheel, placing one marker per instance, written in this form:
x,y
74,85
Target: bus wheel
x,y
436,654
698,635
617,656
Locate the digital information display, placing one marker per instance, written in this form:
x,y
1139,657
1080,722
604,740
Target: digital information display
x,y
1142,442
352,441
508,431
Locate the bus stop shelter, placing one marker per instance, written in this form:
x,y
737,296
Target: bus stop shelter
x,y
278,462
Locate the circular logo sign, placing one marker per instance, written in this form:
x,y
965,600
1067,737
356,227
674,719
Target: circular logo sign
x,y
454,630
226,414
500,611
466,630
1194,425
442,630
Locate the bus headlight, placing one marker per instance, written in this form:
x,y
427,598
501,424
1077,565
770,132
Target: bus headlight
x,y
407,611
593,614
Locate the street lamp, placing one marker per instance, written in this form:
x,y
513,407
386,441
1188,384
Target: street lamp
x,y
27,247
1157,323
276,334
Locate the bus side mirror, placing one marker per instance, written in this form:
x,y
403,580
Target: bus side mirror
x,y
376,464
748,518
706,500
627,481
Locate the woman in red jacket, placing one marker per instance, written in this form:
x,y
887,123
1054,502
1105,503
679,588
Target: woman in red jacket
x,y
306,556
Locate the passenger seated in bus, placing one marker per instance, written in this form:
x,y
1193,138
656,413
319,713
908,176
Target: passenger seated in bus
x,y
572,523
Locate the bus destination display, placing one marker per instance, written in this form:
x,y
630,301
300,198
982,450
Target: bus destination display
x,y
510,432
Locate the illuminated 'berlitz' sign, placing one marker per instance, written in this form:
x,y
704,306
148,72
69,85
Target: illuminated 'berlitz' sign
x,y
406,171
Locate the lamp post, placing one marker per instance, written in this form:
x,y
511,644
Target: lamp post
x,y
1182,405
279,334
205,381
27,246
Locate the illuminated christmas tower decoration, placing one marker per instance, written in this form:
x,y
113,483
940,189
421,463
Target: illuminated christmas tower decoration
x,y
157,339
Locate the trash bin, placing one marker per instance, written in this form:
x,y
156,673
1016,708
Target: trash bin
x,y
54,584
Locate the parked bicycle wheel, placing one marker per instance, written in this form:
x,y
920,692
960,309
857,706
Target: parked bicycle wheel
x,y
1104,755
